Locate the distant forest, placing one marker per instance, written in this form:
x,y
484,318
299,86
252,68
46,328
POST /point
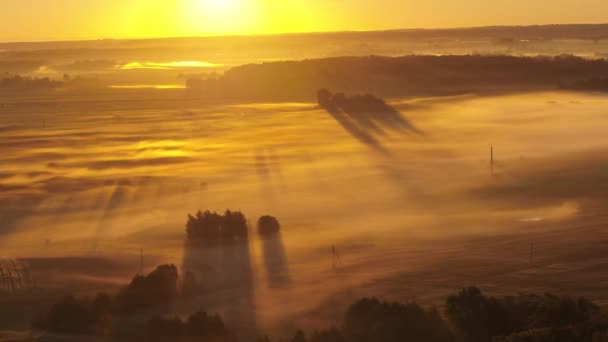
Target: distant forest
x,y
386,77
396,76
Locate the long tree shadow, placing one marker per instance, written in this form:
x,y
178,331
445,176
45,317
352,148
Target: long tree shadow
x,y
217,270
220,279
275,261
275,258
366,117
375,114
357,132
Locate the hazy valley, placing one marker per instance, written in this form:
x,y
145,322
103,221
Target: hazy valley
x,y
494,179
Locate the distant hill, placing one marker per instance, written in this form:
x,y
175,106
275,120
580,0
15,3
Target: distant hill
x,y
395,76
229,51
558,31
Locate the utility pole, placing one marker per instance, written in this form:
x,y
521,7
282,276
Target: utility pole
x,y
335,257
531,251
141,262
492,160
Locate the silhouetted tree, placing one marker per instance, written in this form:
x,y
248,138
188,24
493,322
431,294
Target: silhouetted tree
x,y
365,114
154,291
372,320
69,316
127,317
78,316
299,337
331,335
324,98
476,316
102,308
198,327
566,334
161,329
206,327
268,225
190,284
210,227
481,318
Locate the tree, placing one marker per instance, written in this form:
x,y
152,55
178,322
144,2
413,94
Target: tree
x,y
481,318
154,291
203,326
212,228
268,225
324,98
160,329
299,337
73,315
372,320
331,335
477,317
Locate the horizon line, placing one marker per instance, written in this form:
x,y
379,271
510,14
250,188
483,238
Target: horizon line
x,y
253,35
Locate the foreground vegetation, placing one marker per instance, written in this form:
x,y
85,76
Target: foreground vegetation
x,y
141,312
144,309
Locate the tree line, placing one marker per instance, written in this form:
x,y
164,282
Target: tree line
x,y
395,76
212,228
141,312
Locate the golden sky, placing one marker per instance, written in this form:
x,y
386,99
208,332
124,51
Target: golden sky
x,y
93,19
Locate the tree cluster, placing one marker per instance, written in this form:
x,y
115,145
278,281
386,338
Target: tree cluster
x,y
20,83
372,319
470,316
357,103
156,290
138,313
79,316
368,105
102,315
197,327
480,318
210,227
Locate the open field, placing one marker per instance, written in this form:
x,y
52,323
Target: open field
x,y
414,215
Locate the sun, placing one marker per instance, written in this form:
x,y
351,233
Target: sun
x,y
219,5
219,16
216,7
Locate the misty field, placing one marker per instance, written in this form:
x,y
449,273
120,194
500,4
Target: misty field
x,y
412,214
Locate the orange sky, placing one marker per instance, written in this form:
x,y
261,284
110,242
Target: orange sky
x,y
92,19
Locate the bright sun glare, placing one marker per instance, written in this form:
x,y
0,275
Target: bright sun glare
x,y
221,16
222,5
221,9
